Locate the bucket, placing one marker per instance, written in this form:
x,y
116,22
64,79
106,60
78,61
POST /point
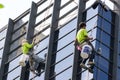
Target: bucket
x,y
22,60
86,51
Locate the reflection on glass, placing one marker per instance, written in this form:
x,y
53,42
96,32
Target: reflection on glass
x,y
14,63
106,26
105,38
70,26
91,23
14,73
91,12
65,75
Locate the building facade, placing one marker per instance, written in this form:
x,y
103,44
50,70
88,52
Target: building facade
x,y
55,34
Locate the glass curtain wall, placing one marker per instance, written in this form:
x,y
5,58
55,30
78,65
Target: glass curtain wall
x,y
100,25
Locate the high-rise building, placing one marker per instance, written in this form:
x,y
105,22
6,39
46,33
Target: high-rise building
x,y
55,34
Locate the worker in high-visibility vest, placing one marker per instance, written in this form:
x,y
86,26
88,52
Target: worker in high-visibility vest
x,y
83,39
29,56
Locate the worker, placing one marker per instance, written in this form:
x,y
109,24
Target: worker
x,y
29,56
83,39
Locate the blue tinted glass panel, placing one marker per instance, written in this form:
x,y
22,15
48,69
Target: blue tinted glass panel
x,y
92,33
103,64
14,63
102,76
105,51
66,40
2,43
65,75
106,26
3,33
105,38
107,15
67,28
14,73
62,65
65,52
91,23
41,48
118,74
91,12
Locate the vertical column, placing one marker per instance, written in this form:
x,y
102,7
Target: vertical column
x,y
76,65
29,37
51,57
116,43
4,66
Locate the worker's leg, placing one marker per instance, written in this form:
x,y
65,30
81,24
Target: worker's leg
x,y
92,55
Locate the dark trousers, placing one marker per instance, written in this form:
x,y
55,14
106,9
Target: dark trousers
x,y
38,62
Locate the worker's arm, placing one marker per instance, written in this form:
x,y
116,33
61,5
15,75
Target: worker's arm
x,y
86,35
29,45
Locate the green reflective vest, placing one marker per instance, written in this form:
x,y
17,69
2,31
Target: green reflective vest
x,y
26,47
81,35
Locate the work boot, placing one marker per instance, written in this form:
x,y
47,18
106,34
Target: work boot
x,y
82,65
90,70
37,73
90,63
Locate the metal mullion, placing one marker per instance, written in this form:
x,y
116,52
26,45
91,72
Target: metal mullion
x,y
17,38
29,36
4,68
20,27
52,47
42,30
76,68
62,59
43,20
73,9
61,72
67,3
45,9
